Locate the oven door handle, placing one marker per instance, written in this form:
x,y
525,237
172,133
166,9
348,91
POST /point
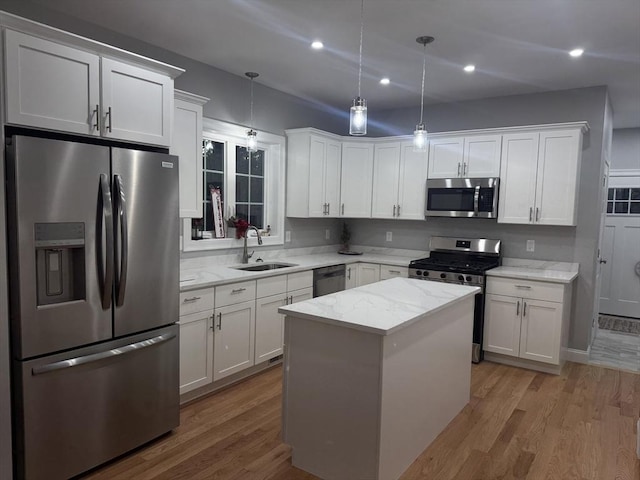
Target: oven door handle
x,y
476,201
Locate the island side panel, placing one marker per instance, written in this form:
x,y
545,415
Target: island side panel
x,y
426,381
331,399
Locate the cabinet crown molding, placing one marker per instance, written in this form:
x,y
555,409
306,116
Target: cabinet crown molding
x,y
189,97
583,126
46,32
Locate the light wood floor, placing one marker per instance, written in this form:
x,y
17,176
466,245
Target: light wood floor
x,y
519,424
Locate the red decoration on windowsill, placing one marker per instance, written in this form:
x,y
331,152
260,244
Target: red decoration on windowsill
x,y
241,228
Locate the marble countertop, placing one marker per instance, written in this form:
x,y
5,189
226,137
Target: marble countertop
x,y
194,277
556,272
383,307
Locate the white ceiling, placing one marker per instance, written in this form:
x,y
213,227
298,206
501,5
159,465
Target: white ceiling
x,y
519,46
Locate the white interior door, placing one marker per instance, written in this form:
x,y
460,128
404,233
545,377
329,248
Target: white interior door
x,y
620,293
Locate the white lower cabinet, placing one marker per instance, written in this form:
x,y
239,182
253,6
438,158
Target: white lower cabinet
x,y
196,339
233,349
358,274
280,290
526,319
391,271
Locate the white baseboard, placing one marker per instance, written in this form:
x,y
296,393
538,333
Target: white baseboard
x,y
577,356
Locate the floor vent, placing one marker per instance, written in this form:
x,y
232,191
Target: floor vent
x,y
275,359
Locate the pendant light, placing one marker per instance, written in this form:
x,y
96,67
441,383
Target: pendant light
x,y
420,133
358,111
252,136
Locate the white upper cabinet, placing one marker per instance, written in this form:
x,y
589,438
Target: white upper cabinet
x,y
518,177
313,174
51,86
356,180
474,156
445,157
136,103
386,172
62,82
399,176
482,156
539,176
187,145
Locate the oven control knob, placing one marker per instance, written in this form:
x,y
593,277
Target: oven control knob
x,y
443,275
425,273
468,278
418,272
461,278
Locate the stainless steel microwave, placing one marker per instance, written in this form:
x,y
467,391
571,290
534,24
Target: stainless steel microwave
x,y
462,197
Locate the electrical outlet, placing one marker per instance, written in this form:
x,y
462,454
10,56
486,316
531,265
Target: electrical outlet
x,y
287,236
389,236
327,234
531,245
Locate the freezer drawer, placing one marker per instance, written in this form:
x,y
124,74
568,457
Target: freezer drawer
x,y
73,415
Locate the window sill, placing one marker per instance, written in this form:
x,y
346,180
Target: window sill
x,y
227,243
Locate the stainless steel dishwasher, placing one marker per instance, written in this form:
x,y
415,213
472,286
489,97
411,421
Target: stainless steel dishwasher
x,y
328,280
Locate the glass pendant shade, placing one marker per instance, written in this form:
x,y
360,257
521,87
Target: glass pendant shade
x,y
420,138
252,141
358,117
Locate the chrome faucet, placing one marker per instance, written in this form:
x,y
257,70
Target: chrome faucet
x,y
245,255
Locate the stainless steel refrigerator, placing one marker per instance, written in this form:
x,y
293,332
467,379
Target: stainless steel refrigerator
x,y
94,293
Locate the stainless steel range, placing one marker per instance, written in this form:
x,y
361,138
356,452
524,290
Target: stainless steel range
x,y
463,261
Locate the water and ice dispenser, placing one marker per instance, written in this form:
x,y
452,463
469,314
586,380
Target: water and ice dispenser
x,y
60,262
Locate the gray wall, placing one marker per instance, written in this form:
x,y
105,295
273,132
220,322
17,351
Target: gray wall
x,y
570,244
625,149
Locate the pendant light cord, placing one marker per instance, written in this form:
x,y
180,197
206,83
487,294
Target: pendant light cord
x,y
361,33
424,64
251,107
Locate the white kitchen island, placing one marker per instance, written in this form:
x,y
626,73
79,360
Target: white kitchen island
x,y
373,374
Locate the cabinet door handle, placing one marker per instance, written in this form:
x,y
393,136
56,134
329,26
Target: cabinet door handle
x,y
464,169
291,300
349,273
110,116
394,210
97,114
531,214
190,299
211,318
220,321
343,209
328,208
395,271
537,214
524,309
237,290
518,309
398,210
458,168
528,287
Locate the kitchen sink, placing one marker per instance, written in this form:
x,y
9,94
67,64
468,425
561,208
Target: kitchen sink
x,y
261,267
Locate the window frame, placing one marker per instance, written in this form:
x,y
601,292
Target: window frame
x,y
274,187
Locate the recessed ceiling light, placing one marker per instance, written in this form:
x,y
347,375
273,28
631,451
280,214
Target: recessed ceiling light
x,y
576,52
469,68
317,45
385,81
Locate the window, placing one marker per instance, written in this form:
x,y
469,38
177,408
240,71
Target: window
x,y
238,184
623,201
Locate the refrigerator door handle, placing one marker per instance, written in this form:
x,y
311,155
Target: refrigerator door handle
x,y
107,214
124,245
74,362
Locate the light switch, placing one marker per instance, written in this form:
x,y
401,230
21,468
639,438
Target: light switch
x,y
531,245
389,236
327,234
287,236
